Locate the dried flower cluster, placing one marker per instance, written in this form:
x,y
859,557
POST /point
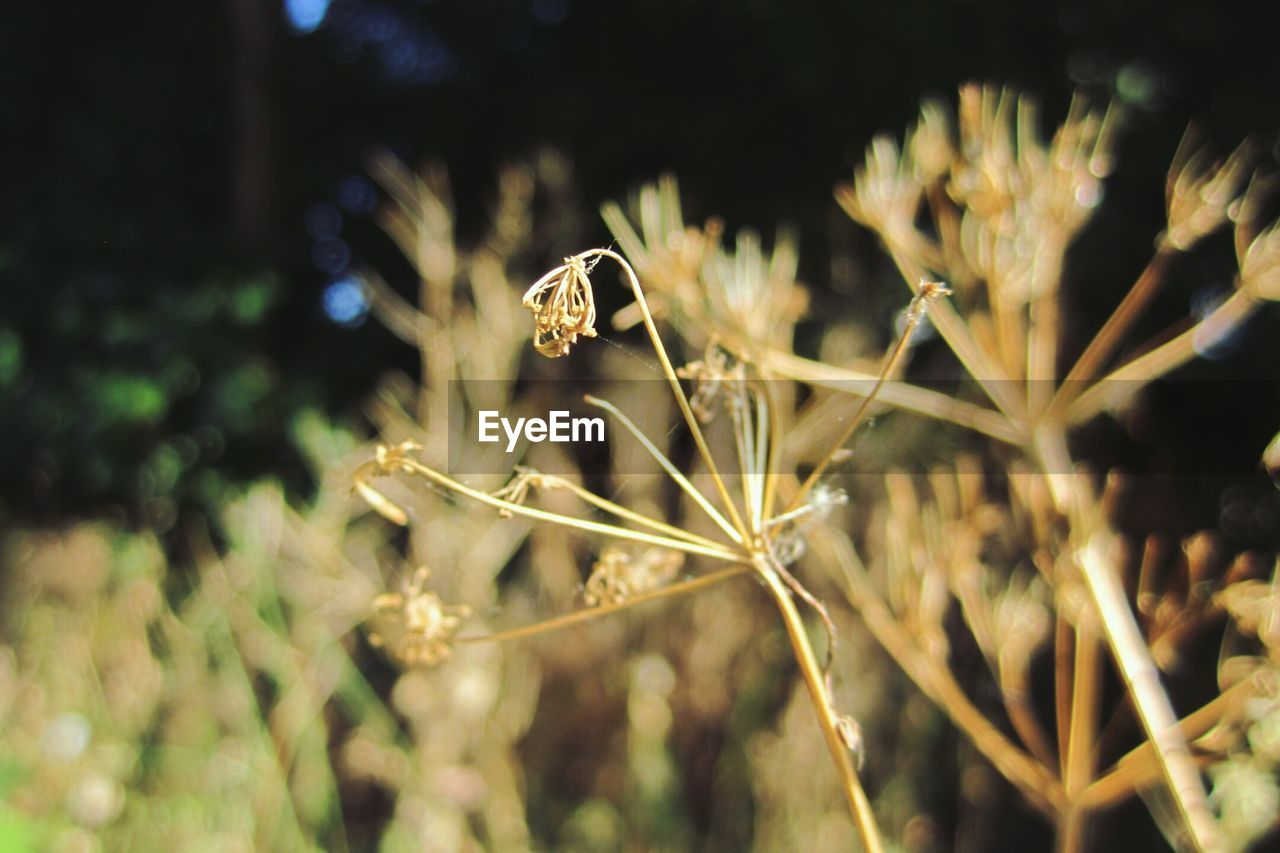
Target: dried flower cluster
x,y
414,624
1035,568
563,307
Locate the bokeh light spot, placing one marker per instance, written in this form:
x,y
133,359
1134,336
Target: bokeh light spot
x,y
305,16
345,302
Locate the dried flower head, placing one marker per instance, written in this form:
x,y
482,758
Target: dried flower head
x,y
1255,607
789,530
1260,266
885,194
415,624
517,489
930,144
1199,195
386,460
709,375
622,572
752,294
563,307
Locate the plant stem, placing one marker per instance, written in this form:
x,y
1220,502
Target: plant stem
x,y
914,315
1124,381
1109,336
674,381
587,614
859,805
551,481
1139,767
1149,698
672,471
900,394
566,520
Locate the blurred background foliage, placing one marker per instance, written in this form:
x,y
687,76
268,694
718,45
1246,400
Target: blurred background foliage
x,y
184,193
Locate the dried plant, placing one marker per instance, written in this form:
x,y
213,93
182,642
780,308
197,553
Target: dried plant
x,y
974,580
992,211
758,534
1000,208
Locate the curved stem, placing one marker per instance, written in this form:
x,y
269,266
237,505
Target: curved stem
x,y
674,381
914,315
856,797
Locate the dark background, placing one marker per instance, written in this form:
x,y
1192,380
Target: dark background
x,y
183,194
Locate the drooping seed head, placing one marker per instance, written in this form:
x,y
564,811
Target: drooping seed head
x,y
563,307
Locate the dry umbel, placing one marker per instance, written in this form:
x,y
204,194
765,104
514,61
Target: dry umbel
x,y
760,533
993,212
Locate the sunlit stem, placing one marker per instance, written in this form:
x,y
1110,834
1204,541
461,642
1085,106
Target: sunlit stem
x,y
674,381
1042,337
1139,767
1124,381
567,520
859,805
762,439
590,613
914,315
744,440
902,395
550,481
987,372
773,463
671,470
1104,343
1149,698
1126,641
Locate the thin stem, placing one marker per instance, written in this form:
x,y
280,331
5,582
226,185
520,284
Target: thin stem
x,y
764,454
1139,767
900,394
1126,642
1033,779
1113,331
1082,735
1122,382
567,520
1149,698
773,464
671,470
551,481
587,614
1042,338
915,313
1017,702
859,805
742,441
674,381
986,372
1063,641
